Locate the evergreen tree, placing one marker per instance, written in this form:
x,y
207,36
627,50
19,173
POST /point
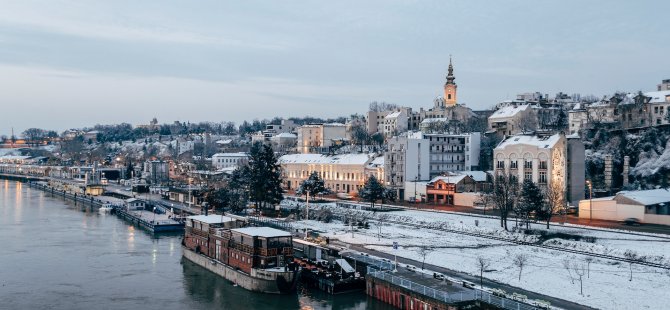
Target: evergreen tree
x,y
264,176
531,201
313,186
372,191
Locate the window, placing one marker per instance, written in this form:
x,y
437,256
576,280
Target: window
x,y
514,164
543,177
527,164
655,110
543,164
527,175
501,164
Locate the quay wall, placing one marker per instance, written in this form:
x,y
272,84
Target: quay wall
x,y
263,282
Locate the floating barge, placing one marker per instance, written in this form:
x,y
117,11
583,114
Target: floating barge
x,y
259,259
150,221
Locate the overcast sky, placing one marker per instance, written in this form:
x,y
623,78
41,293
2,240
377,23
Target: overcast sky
x,y
68,64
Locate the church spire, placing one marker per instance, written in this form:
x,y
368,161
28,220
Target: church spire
x,y
450,87
450,75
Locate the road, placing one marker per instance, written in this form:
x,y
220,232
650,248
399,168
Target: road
x,y
556,302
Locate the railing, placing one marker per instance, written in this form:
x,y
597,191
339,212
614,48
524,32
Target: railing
x,y
465,295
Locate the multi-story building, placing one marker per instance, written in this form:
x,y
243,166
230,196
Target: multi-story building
x,y
156,171
229,160
453,152
406,160
319,137
659,107
341,173
544,160
578,118
665,85
513,117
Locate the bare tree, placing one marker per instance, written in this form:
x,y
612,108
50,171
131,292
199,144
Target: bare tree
x,y
424,251
505,192
482,264
580,270
520,261
631,256
555,197
566,264
588,261
381,218
486,200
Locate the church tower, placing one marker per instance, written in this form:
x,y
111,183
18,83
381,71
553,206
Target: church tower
x,y
450,87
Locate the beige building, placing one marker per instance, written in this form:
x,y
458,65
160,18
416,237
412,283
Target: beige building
x,y
544,160
317,137
341,173
513,117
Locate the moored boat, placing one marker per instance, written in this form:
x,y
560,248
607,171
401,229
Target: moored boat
x,y
258,259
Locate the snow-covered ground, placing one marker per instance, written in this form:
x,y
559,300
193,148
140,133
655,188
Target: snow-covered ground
x,y
606,286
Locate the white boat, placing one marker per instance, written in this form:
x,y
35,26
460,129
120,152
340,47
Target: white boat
x,y
105,208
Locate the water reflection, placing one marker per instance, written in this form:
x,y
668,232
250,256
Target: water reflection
x,y
56,254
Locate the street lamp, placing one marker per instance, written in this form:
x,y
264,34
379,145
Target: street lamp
x,y
588,182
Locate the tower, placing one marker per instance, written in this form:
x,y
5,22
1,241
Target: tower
x,y
450,87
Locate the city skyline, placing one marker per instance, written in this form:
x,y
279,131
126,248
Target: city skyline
x,y
69,64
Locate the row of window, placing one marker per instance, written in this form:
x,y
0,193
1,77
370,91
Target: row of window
x,y
528,175
527,164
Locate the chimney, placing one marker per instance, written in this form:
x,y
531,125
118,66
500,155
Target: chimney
x,y
608,172
626,167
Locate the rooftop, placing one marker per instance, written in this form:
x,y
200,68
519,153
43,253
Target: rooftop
x,y
266,232
540,142
211,219
648,197
509,111
344,159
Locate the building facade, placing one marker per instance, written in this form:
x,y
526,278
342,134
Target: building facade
x,y
543,160
453,152
341,173
407,159
317,137
229,160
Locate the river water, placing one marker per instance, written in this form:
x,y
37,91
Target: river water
x,y
55,254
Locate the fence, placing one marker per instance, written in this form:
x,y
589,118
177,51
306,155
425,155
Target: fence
x,y
259,221
463,295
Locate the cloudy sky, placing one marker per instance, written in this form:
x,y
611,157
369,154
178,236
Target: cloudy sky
x,y
67,64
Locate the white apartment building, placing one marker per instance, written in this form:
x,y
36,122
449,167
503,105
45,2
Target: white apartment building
x,y
544,160
229,160
341,173
320,136
453,152
407,159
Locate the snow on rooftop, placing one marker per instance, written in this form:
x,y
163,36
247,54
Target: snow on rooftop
x,y
509,111
478,176
266,232
393,115
286,135
239,154
648,197
540,142
658,96
344,159
451,179
434,120
211,219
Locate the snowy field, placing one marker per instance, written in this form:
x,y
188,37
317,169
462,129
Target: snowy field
x,y
606,283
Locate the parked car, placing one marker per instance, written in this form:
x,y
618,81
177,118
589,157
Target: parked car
x,y
632,221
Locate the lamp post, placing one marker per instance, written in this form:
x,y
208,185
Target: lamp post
x,y
588,182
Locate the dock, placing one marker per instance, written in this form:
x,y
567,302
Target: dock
x,y
150,221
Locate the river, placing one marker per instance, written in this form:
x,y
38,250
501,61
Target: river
x,y
55,254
